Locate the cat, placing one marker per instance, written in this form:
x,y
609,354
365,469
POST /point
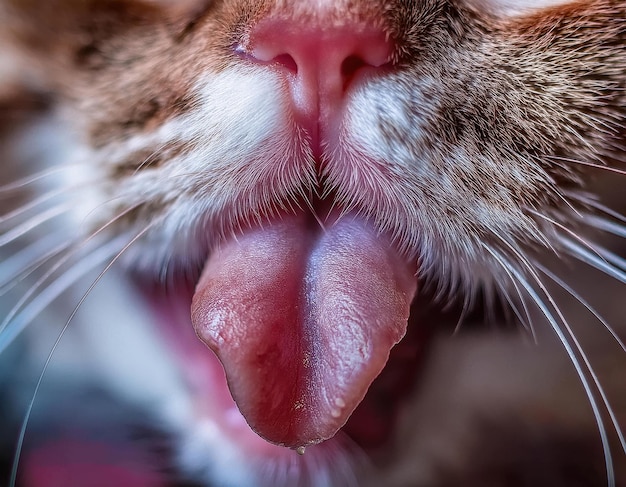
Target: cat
x,y
395,224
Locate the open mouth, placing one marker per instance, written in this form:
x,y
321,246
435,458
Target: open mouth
x,y
302,317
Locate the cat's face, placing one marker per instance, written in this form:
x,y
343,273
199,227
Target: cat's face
x,y
461,127
297,172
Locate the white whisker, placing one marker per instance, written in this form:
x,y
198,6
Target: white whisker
x,y
567,230
461,319
26,296
591,164
543,288
33,178
526,322
611,257
12,266
585,358
578,298
563,198
570,352
34,222
36,202
29,409
13,279
13,327
592,260
150,158
603,208
608,226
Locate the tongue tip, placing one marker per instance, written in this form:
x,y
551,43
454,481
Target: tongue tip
x,y
287,423
318,412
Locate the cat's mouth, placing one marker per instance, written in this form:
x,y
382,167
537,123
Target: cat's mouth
x,y
303,315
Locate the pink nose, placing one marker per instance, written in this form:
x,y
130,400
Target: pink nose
x,y
320,63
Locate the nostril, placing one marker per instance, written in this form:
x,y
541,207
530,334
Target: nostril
x,y
287,61
260,56
351,65
321,65
315,50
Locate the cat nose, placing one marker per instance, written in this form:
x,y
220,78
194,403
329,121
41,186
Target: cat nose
x,y
320,63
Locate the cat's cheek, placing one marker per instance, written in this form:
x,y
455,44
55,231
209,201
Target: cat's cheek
x,y
242,102
382,122
238,152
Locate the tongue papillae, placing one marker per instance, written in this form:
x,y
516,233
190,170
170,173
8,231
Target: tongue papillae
x,y
303,320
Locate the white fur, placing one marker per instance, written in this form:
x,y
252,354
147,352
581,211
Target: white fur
x,y
515,7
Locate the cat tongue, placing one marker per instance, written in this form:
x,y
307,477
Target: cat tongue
x,y
303,321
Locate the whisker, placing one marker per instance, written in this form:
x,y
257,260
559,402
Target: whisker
x,y
38,201
526,323
589,308
33,178
591,164
151,157
34,222
565,200
21,319
571,354
461,320
24,298
488,301
545,291
592,260
585,358
569,231
11,267
29,409
606,210
526,312
13,279
608,226
617,260
518,291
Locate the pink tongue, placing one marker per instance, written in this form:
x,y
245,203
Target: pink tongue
x,y
303,321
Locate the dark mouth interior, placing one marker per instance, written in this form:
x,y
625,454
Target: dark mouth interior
x,y
373,423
